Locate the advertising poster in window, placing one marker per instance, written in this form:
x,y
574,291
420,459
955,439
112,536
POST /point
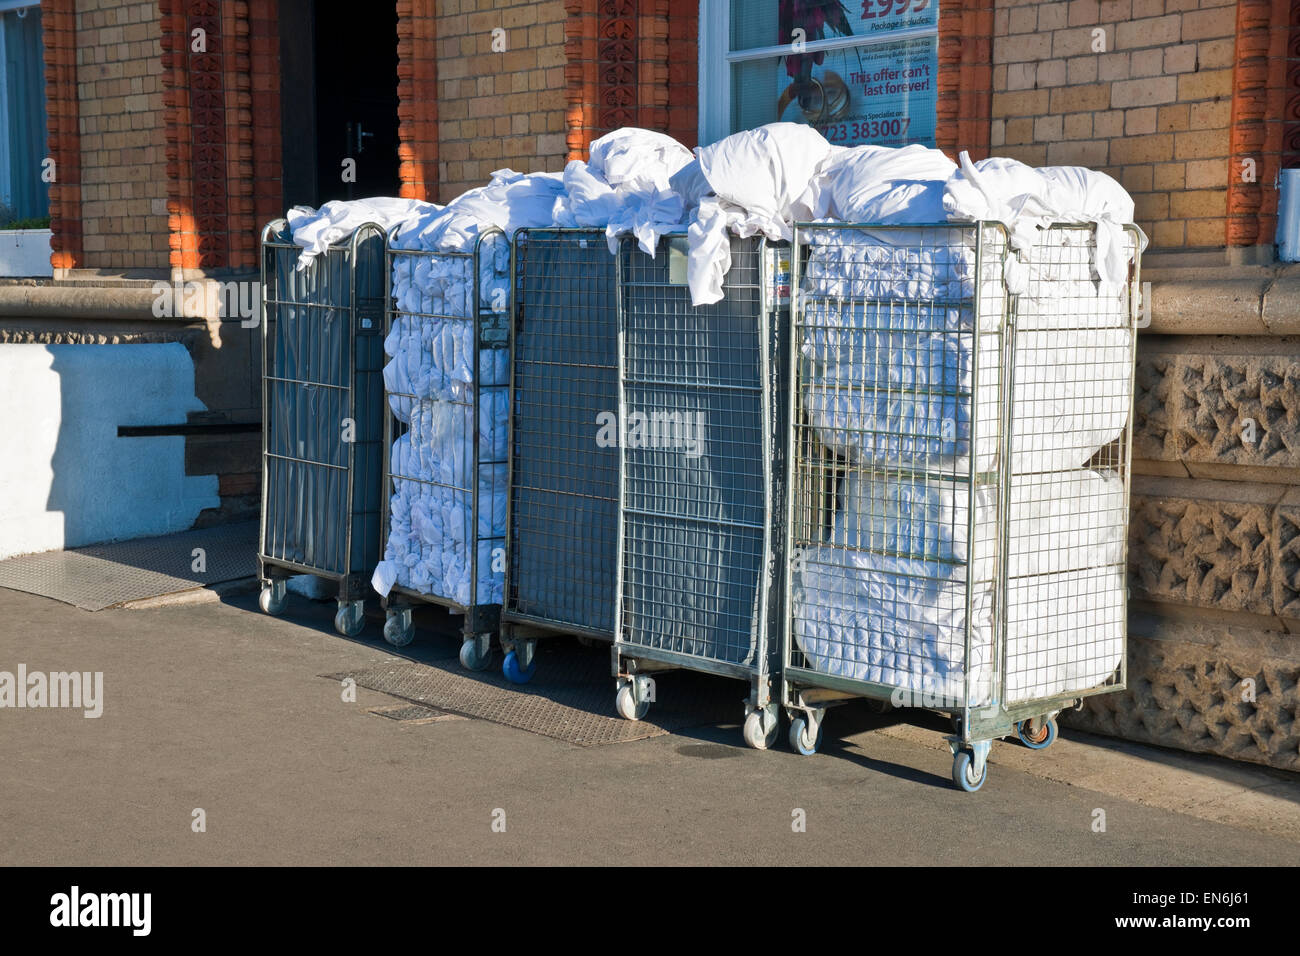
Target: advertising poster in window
x,y
881,93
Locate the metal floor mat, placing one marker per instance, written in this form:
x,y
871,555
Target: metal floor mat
x,y
105,575
570,699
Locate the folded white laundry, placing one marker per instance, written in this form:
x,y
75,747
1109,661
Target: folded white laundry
x,y
893,621
907,401
877,184
432,532
890,350
1058,521
886,600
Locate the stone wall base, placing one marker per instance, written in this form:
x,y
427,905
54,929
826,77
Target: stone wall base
x,y
1207,688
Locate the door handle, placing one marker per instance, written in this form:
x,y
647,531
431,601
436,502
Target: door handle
x,y
361,139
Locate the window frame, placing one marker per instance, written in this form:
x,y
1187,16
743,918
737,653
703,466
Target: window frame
x,y
714,81
6,164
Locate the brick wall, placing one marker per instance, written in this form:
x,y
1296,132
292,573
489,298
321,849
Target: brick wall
x,y
1153,109
123,161
499,109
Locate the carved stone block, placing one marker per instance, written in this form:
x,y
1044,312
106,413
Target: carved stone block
x,y
1228,696
1224,409
1202,552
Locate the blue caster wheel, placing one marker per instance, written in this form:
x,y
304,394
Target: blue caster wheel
x,y
1045,737
799,739
963,772
514,673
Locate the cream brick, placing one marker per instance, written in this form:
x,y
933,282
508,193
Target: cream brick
x,y
1216,54
1019,130
1206,174
1209,24
1205,85
1140,121
1078,126
1021,76
1180,59
1206,232
1081,69
1199,145
1145,92
1052,16
1048,128
1078,153
1051,73
1019,49
1113,66
1200,203
1152,148
1023,20
1173,118
1072,99
1072,42
1108,124
1153,31
1084,12
1169,234
1210,115
1136,179
1146,63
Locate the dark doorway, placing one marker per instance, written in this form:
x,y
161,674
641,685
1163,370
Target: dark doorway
x,y
339,100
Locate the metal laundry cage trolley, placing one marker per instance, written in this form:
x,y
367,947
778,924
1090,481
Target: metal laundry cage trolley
x,y
561,517
701,471
453,424
322,352
959,478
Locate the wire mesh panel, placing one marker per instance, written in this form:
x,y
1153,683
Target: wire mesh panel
x,y
322,398
563,467
697,453
897,345
445,438
959,474
1072,395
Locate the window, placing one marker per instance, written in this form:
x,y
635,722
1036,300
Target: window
x,y
24,194
860,71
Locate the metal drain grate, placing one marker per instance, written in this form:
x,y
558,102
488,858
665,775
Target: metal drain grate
x,y
104,575
571,699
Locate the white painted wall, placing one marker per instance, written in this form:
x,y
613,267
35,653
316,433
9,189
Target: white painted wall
x,y
66,478
25,253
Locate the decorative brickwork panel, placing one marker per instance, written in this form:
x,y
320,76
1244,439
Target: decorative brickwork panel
x,y
417,98
1205,553
1197,696
1219,409
1153,431
1286,571
963,108
1258,97
1240,410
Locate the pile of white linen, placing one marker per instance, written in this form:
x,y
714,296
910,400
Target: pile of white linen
x,y
884,600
